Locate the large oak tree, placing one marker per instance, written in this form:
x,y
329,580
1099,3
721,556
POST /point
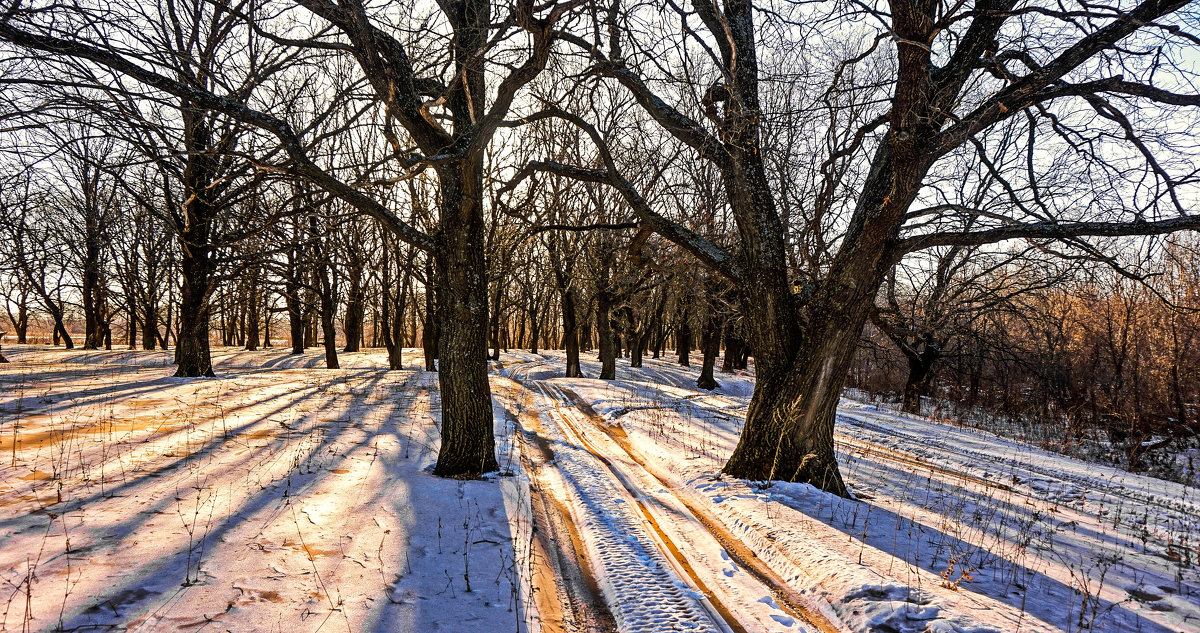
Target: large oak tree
x,y
926,85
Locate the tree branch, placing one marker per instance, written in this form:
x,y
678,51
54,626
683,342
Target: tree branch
x,y
618,226
1047,230
1026,91
291,143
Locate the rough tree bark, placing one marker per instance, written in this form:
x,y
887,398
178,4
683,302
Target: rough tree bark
x,y
607,342
355,310
683,339
192,353
710,346
431,329
468,446
194,238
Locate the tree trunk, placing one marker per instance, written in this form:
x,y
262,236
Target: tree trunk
x,y
608,346
585,332
468,445
226,325
393,317
243,315
683,340
168,329
60,328
329,328
569,302
431,329
494,320
789,426
660,338
570,334
710,345
633,337
804,345
920,379
396,336
535,324
295,310
192,353
93,325
253,313
311,321
733,348
131,326
21,325
635,349
354,308
410,332
150,323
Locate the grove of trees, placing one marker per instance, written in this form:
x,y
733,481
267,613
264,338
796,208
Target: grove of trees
x,y
990,202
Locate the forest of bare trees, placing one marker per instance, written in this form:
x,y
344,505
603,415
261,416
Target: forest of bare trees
x,y
979,206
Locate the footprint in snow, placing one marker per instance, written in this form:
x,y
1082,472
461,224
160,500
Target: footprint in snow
x,y
732,568
784,620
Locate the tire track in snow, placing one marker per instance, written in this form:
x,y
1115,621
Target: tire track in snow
x,y
567,595
864,420
789,600
639,582
797,607
664,542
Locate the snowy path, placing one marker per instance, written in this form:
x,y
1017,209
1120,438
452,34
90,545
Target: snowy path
x,y
957,530
680,551
641,585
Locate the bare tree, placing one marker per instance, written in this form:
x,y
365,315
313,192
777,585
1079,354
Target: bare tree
x,y
928,305
422,100
36,256
946,81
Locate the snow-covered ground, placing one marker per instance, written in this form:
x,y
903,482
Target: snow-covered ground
x,y
268,499
954,530
283,496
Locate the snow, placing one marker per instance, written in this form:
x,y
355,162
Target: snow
x,y
282,495
644,592
265,499
956,530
